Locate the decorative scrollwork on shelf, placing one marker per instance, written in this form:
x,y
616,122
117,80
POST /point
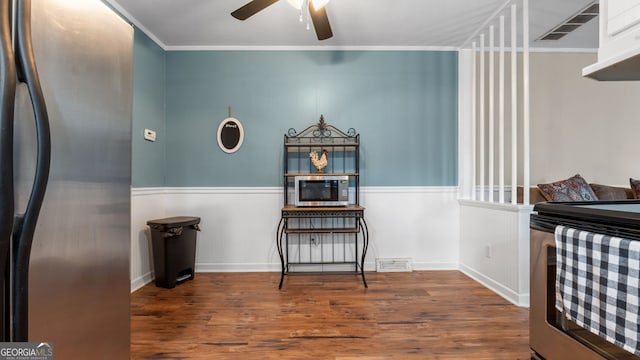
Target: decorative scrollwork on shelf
x,y
321,133
322,125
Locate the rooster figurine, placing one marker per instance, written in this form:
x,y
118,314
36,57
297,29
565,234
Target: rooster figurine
x,y
321,162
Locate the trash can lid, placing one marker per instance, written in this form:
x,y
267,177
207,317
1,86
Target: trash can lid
x,y
176,221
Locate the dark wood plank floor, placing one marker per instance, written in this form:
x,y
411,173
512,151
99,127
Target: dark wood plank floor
x,y
418,315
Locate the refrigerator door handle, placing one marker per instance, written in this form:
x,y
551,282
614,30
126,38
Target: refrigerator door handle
x,y
7,101
23,235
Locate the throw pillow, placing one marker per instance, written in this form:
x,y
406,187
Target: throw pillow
x,y
605,192
574,188
635,186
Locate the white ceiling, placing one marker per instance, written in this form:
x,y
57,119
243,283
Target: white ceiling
x,y
186,24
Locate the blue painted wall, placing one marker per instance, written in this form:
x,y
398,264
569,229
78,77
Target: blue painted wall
x,y
404,105
148,112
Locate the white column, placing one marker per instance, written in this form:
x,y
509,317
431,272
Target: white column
x,y
525,100
466,182
491,112
481,125
514,107
501,113
474,100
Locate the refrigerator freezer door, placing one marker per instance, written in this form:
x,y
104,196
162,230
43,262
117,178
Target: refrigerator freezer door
x,y
79,272
7,97
24,228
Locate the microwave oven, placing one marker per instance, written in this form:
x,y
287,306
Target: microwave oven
x,y
321,190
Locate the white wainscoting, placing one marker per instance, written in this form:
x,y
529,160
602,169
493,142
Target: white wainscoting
x,y
421,223
146,204
495,247
239,226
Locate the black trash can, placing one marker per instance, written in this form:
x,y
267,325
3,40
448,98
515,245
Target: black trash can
x,y
174,249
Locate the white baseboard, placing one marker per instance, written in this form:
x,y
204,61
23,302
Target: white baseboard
x,y
140,281
236,267
521,300
273,267
426,266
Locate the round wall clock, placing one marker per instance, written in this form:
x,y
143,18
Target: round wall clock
x,y
230,135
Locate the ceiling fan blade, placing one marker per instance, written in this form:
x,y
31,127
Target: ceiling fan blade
x,y
252,8
320,22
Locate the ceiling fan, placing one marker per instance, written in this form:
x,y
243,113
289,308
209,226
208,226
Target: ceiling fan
x,y
317,13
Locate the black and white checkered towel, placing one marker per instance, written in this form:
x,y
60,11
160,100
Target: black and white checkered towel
x,y
597,282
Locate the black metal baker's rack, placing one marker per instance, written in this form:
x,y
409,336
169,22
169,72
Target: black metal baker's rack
x,y
322,237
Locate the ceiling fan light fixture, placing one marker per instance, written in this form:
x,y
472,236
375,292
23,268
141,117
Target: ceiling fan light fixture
x,y
296,3
317,4
316,15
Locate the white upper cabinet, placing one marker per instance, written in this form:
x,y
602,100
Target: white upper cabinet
x,y
622,15
619,49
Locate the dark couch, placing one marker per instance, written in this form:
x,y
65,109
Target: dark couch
x,y
603,192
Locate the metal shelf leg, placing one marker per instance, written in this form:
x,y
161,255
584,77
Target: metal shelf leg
x,y
365,246
281,227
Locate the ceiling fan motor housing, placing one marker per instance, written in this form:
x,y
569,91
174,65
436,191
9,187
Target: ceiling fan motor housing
x,y
317,12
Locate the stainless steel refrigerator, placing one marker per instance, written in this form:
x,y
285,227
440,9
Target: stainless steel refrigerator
x,y
65,155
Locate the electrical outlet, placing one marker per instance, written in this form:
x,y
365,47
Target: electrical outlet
x,y
149,135
488,251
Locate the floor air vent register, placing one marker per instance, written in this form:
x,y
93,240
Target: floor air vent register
x,y
393,265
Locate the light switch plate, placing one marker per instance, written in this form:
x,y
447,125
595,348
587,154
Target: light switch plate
x,y
149,135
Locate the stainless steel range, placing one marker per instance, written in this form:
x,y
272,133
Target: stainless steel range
x,y
552,336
